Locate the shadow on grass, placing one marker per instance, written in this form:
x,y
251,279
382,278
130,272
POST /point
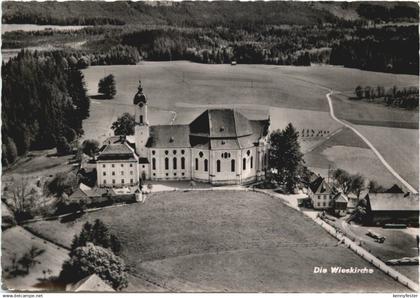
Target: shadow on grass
x,y
101,97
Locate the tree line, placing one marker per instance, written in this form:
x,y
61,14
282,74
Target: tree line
x,y
44,102
407,97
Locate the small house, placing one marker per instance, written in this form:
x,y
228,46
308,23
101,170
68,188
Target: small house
x,y
340,204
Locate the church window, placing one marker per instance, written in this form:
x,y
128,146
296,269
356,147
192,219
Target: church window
x,y
153,152
248,152
131,181
113,181
218,165
141,119
252,162
182,151
103,166
174,152
244,163
122,181
196,164
166,152
166,163
174,174
113,165
232,165
174,163
113,173
206,165
104,173
183,163
153,163
122,165
131,165
104,181
201,154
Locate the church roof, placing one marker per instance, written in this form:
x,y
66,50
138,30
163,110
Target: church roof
x,y
221,123
91,283
212,129
169,136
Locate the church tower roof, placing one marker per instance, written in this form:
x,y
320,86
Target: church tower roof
x,y
139,97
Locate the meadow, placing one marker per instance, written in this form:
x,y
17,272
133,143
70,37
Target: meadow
x,y
225,241
286,93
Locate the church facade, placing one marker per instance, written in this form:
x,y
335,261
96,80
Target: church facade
x,y
221,146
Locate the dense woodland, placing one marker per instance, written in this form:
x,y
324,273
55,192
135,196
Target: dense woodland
x,y
43,101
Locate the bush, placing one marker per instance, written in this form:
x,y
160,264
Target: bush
x,y
91,259
63,147
61,183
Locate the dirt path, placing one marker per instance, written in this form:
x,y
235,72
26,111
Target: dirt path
x,y
380,157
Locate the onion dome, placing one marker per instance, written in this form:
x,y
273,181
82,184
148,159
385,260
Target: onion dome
x,y
139,98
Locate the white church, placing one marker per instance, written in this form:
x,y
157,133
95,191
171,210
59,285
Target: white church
x,y
221,146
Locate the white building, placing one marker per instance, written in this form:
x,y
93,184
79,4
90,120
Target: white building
x,y
321,194
221,146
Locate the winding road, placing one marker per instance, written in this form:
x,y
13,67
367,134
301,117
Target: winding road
x,y
381,158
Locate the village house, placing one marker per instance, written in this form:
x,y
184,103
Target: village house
x,y
221,146
392,208
320,193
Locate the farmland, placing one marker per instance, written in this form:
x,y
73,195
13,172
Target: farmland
x,y
225,241
287,93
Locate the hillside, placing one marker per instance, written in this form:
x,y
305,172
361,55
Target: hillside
x,y
179,14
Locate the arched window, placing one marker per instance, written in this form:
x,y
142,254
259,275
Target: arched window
x,y
174,163
166,163
183,163
218,165
206,165
196,164
232,165
252,162
244,163
141,119
153,163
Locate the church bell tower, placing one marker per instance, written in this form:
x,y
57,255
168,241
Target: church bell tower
x,y
141,130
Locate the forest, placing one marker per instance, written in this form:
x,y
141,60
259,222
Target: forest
x,y
43,103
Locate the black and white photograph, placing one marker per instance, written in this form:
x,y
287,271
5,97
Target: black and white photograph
x,y
210,147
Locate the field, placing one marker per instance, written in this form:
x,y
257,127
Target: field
x,y
225,241
15,242
286,93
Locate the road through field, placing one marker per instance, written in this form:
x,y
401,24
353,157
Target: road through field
x,y
380,157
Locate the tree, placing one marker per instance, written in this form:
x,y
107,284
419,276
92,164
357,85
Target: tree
x,y
342,180
124,125
98,234
106,86
359,92
374,187
28,260
357,184
22,196
62,183
91,259
285,157
63,147
90,147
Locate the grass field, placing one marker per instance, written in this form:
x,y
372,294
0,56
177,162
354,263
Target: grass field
x,y
287,93
15,242
226,241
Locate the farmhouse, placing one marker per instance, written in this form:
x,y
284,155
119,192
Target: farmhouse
x,y
221,146
321,193
395,208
